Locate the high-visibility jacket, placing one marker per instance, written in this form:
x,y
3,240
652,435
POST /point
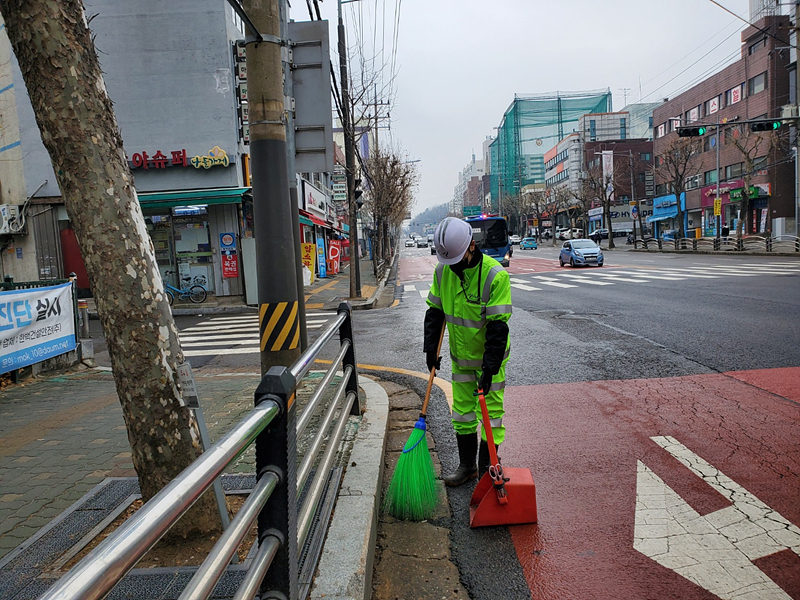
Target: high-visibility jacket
x,y
469,304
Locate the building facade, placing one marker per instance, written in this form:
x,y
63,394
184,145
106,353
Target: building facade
x,y
756,86
181,105
474,169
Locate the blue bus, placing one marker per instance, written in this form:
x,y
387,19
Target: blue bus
x,y
491,237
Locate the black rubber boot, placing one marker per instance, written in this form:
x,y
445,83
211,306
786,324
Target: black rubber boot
x,y
467,449
483,457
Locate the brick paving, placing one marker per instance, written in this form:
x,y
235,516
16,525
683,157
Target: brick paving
x,y
62,435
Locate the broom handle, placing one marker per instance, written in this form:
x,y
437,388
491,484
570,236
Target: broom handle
x,y
432,375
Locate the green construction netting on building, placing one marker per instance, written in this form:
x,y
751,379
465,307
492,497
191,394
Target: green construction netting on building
x,y
531,126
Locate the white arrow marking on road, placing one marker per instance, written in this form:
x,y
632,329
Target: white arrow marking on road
x,y
716,550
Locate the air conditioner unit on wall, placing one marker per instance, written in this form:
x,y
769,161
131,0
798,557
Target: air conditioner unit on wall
x,y
9,219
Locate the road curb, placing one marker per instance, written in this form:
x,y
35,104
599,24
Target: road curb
x,y
743,254
370,303
345,567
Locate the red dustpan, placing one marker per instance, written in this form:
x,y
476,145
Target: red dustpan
x,y
503,496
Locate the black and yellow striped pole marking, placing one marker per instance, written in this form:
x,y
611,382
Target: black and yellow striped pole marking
x,y
279,326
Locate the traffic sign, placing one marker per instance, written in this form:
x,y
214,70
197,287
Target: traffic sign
x,y
634,211
471,211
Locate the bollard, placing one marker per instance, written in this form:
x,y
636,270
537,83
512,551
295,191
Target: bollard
x,y
346,333
83,319
276,451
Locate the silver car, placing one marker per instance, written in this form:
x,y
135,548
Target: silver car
x,y
580,252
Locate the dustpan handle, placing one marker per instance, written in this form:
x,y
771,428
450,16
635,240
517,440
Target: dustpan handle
x,y
487,427
432,375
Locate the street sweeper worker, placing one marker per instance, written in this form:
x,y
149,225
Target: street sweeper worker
x,y
471,292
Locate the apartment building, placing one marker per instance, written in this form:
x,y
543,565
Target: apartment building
x,y
754,87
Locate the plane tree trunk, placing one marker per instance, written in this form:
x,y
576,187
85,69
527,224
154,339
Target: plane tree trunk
x,y
54,47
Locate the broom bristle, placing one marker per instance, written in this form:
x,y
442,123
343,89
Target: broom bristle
x,y
412,494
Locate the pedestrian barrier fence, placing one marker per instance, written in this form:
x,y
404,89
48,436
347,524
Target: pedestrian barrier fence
x,y
747,243
283,524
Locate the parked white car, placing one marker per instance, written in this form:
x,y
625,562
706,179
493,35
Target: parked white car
x,y
514,239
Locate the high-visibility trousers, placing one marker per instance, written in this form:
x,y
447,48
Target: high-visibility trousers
x,y
466,405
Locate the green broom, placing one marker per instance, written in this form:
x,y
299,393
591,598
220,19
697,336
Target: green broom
x,y
412,493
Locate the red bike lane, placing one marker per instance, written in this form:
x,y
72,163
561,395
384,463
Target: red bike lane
x,y
684,487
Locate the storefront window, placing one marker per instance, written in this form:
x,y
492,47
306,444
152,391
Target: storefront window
x,y
160,229
192,246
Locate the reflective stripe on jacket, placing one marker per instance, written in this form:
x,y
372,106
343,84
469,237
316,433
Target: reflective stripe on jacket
x,y
469,305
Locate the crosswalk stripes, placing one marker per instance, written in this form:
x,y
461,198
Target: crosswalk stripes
x,y
234,334
530,282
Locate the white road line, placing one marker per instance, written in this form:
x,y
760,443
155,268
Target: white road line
x,y
648,276
236,318
220,330
625,279
552,282
309,322
527,288
584,279
423,293
715,550
742,269
242,350
410,288
693,275
720,272
201,342
518,280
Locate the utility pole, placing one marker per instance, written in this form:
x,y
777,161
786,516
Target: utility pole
x,y
278,307
292,174
350,162
633,198
717,218
797,128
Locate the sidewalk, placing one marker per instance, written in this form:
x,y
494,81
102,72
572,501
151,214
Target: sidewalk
x,y
324,294
65,435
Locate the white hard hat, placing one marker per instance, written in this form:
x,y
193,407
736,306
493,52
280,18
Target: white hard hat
x,y
452,238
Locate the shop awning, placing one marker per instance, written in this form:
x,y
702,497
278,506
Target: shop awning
x,y
306,221
663,216
191,197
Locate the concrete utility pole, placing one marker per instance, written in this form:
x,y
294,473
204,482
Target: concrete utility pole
x,y
350,162
278,307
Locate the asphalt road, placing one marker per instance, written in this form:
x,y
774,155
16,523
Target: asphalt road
x,y
656,402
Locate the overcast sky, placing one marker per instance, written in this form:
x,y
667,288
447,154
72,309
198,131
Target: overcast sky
x,y
458,63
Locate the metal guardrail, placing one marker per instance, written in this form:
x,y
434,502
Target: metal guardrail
x,y
282,527
747,243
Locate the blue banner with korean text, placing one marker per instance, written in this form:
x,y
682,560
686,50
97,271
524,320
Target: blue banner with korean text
x,y
35,324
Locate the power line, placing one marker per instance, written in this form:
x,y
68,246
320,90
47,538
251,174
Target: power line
x,y
764,31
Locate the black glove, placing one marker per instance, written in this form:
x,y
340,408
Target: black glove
x,y
486,380
433,361
495,347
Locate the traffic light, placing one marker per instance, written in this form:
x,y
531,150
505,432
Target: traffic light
x,y
764,125
691,131
357,193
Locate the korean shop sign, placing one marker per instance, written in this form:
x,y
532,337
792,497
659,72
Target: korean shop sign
x,y
178,158
35,324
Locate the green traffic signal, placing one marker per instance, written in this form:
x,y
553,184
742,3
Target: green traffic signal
x,y
765,125
691,131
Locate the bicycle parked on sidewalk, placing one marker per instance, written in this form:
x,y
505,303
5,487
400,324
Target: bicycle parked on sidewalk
x,y
196,293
